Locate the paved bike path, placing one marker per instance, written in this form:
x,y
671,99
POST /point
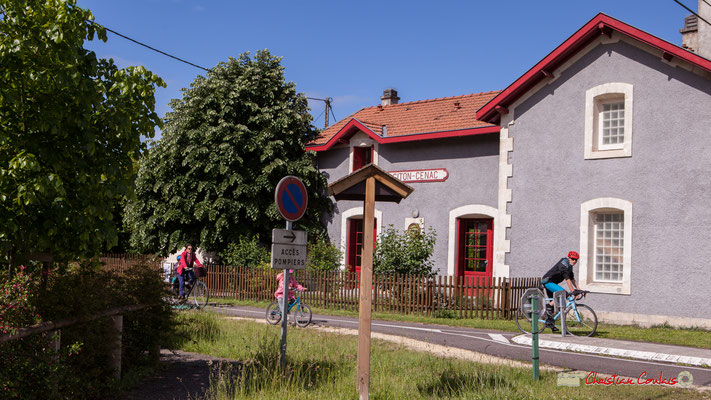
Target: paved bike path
x,y
604,356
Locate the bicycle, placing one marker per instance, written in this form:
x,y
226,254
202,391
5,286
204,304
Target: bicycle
x,y
302,312
197,292
580,320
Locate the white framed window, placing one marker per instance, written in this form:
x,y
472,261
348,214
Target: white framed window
x,y
608,121
612,125
605,245
608,246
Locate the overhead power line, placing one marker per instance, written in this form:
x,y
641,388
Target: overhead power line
x,y
151,48
689,10
319,116
327,100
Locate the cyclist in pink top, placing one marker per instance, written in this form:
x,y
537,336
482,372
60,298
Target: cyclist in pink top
x,y
185,268
293,284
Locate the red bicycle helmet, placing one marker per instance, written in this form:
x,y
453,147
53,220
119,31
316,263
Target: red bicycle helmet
x,y
574,255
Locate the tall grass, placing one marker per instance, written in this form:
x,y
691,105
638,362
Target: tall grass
x,y
323,366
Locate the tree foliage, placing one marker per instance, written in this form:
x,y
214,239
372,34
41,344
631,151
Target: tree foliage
x,y
322,255
70,129
247,252
405,252
210,180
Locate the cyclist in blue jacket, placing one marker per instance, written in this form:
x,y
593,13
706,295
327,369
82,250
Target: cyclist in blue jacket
x,y
561,271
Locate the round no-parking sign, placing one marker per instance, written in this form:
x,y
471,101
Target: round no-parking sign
x,y
291,198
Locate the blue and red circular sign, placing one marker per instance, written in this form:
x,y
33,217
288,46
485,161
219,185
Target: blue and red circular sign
x,y
291,198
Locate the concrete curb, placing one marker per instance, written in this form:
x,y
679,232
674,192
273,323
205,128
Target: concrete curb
x,y
615,352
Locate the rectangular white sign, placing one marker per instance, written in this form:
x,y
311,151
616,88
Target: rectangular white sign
x,y
421,175
288,256
284,236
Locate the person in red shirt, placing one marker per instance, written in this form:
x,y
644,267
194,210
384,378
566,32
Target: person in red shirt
x,y
185,268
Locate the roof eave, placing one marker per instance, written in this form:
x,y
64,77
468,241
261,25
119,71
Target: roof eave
x,y
414,137
599,25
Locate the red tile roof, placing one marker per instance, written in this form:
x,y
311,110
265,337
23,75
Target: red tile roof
x,y
430,117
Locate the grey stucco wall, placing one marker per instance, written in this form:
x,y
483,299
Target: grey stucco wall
x,y
472,163
667,179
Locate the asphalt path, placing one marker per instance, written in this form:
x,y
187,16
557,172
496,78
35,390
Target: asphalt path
x,y
499,344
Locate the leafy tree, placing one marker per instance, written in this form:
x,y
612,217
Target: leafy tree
x,y
70,129
210,180
407,253
247,252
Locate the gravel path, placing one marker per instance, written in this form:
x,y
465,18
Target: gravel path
x,y
181,376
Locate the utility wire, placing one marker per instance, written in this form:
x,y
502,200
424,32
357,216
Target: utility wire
x,y
319,116
151,48
689,10
334,115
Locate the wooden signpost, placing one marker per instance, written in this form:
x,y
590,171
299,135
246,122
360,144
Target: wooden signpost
x,y
369,184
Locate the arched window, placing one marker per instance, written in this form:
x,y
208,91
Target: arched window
x,y
608,121
471,241
605,245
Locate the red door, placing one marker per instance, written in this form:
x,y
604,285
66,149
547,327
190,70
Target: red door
x,y
355,243
475,244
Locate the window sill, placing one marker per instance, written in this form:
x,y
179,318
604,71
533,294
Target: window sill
x,y
609,288
598,154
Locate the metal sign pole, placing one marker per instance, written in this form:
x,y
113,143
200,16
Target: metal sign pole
x,y
563,325
534,340
284,307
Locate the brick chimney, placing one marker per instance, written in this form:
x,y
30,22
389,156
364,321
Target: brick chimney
x,y
389,97
696,34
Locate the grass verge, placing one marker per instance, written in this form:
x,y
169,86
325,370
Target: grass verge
x,y
665,334
323,366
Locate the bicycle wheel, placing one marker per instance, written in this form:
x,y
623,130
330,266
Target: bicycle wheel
x,y
582,321
523,321
302,315
199,294
273,313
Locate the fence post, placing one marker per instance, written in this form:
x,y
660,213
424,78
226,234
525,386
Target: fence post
x,y
115,336
56,344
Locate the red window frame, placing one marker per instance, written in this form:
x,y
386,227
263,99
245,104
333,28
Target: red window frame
x,y
362,156
355,243
475,245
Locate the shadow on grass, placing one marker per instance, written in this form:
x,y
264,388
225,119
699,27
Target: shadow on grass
x,y
192,326
451,382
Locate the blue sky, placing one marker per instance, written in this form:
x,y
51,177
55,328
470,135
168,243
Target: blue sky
x,y
352,51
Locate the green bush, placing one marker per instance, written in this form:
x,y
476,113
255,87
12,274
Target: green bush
x,y
26,367
406,252
323,256
247,252
80,368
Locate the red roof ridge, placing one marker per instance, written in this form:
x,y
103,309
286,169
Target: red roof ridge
x,y
425,101
434,118
574,43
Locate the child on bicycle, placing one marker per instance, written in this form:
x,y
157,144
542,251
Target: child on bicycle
x,y
562,270
185,268
293,284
